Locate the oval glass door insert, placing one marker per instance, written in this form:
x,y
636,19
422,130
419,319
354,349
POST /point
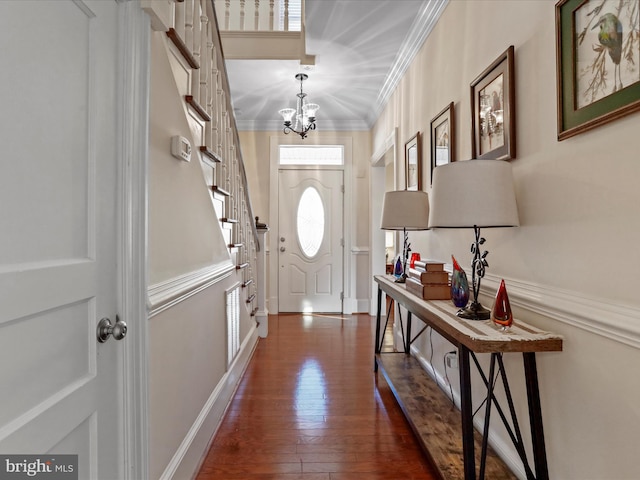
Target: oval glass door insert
x,y
310,222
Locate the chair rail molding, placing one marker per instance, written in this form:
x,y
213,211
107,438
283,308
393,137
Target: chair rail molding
x,y
169,293
601,316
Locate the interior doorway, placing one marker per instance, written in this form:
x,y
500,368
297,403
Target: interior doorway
x,y
383,179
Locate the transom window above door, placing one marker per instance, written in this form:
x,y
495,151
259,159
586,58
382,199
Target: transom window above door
x,y
328,155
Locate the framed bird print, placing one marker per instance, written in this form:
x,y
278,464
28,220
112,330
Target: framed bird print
x,y
493,110
598,62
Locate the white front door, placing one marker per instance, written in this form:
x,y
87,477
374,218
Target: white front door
x,y
309,243
61,390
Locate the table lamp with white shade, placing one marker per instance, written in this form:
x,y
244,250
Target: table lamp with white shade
x,y
405,210
474,194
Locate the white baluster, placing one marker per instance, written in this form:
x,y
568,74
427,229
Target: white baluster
x,y
227,14
271,15
286,15
219,98
204,57
198,15
179,19
188,25
242,14
210,91
256,20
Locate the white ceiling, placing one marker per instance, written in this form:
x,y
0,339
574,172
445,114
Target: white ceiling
x,y
362,48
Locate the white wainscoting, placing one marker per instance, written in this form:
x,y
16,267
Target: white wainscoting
x,y
189,456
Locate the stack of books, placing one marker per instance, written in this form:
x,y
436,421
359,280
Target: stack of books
x,y
429,280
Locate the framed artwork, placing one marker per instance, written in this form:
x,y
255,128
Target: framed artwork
x,y
493,110
413,161
597,62
443,138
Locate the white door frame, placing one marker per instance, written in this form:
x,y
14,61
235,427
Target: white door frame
x,y
377,188
349,305
133,119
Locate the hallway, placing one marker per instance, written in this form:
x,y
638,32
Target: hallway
x,y
310,407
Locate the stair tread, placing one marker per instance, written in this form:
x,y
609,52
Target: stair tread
x,y
197,107
219,190
182,48
210,154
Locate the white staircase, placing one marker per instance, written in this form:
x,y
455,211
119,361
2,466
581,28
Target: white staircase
x,y
194,49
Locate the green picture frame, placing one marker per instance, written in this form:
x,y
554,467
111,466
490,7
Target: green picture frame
x,y
588,58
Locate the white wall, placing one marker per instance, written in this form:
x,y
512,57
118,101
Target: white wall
x,y
183,230
571,265
189,270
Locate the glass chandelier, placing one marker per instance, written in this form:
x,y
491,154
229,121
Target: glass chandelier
x,y
304,112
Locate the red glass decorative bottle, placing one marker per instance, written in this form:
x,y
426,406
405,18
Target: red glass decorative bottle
x,y
501,311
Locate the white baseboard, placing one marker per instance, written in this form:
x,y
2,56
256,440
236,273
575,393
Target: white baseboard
x,y
363,305
190,454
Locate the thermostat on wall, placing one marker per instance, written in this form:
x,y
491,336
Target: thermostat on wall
x,y
181,148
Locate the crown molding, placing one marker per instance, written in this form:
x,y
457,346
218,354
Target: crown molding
x,y
422,26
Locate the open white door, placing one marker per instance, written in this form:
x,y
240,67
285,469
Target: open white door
x,y
61,389
309,242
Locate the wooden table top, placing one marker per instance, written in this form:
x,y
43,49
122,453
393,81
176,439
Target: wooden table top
x,y
481,336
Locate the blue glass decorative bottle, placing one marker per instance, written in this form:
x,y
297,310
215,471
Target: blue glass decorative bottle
x,y
459,286
398,270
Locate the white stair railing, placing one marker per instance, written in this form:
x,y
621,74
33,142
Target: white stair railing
x,y
264,12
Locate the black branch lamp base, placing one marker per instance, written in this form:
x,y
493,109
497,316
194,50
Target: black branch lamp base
x,y
475,311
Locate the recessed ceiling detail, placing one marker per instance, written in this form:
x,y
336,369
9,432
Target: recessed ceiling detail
x,y
362,48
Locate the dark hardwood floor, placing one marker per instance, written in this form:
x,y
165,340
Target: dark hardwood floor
x,y
310,407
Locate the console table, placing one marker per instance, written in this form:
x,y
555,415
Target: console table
x,y
471,337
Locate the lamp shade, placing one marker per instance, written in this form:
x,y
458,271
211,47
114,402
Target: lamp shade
x,y
405,210
473,193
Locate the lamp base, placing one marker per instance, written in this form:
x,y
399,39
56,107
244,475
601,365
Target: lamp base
x,y
475,311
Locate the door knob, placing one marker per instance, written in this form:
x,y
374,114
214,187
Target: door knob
x,y
282,249
282,239
106,329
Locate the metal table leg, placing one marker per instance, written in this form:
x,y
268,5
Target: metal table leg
x,y
535,416
376,347
467,414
